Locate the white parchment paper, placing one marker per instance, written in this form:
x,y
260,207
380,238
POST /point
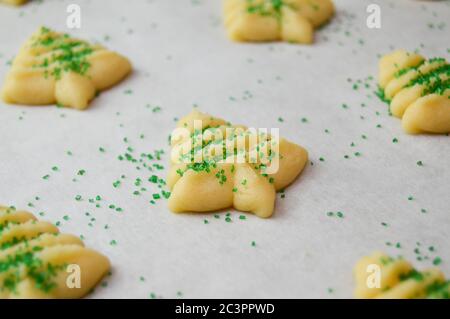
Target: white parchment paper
x,y
182,58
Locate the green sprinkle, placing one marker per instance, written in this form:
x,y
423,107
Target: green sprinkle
x,y
156,196
437,261
153,179
165,194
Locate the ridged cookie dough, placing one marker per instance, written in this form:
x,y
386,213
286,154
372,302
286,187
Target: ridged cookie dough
x,y
35,259
418,91
54,68
210,185
398,280
274,20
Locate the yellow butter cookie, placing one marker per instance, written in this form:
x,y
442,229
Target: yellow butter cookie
x,y
53,68
238,167
36,261
274,20
417,90
383,277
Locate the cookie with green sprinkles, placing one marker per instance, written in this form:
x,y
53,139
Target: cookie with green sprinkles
x,y
36,261
398,279
272,20
229,176
417,91
55,68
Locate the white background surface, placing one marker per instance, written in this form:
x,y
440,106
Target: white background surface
x,y
182,58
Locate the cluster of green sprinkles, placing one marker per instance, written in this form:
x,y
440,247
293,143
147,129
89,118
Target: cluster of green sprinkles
x,y
438,289
426,253
144,162
97,202
42,274
66,54
422,253
432,81
268,8
335,214
24,263
154,108
228,218
210,165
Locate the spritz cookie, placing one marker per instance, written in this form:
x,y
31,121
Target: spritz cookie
x,y
54,68
36,261
216,165
417,90
274,20
384,277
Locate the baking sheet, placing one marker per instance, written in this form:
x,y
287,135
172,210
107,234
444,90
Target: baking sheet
x,y
320,96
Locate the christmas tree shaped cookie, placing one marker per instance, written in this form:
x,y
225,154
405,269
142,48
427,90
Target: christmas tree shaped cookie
x,y
53,68
36,261
215,165
274,20
381,276
418,91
